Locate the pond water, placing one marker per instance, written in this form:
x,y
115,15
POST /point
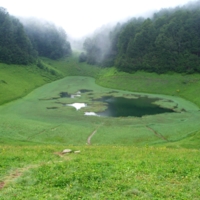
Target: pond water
x,y
135,105
124,107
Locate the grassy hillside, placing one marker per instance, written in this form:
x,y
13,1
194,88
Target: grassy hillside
x,y
72,67
17,81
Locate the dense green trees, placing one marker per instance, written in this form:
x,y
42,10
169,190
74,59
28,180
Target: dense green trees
x,y
168,41
15,46
21,44
49,40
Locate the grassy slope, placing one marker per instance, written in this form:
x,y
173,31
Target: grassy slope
x,y
17,81
32,171
71,67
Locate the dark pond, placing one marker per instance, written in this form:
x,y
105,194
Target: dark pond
x,y
64,94
67,95
123,107
85,90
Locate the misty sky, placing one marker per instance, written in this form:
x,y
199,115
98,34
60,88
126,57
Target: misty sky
x,y
79,17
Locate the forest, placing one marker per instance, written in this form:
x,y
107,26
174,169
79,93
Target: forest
x,y
22,41
167,41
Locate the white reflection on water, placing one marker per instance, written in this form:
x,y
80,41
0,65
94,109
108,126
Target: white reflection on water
x,y
91,114
78,105
75,95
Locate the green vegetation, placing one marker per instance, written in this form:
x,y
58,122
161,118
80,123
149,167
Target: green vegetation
x,y
99,172
70,66
42,116
22,43
15,46
17,81
48,40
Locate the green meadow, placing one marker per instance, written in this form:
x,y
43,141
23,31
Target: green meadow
x,y
42,116
149,157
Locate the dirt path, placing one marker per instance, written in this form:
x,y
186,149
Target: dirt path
x,y
2,185
92,134
89,138
20,171
157,134
12,176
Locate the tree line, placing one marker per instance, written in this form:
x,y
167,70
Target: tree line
x,y
168,41
21,42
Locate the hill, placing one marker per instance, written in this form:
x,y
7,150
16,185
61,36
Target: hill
x,y
33,138
18,80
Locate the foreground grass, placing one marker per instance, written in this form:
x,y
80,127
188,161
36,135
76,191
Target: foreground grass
x,y
98,172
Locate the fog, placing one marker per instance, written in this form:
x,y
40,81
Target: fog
x,y
82,17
